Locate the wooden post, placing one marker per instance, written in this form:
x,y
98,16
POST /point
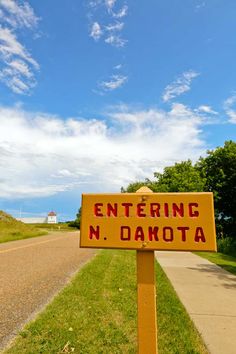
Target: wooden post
x,y
147,322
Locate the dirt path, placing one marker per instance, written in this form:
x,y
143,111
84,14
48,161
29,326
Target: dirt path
x,y
31,273
209,295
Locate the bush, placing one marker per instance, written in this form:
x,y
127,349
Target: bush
x,y
75,223
227,246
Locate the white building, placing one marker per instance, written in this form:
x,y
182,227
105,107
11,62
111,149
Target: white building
x,y
52,218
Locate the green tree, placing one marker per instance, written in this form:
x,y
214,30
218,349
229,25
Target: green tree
x,y
182,177
219,171
76,222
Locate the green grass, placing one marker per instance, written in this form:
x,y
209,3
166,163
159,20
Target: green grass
x,y
11,229
97,314
55,227
222,260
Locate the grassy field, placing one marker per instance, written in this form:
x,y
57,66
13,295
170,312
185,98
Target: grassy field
x,y
55,227
222,260
97,314
11,229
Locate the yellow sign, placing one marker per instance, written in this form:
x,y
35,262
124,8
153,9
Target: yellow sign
x,y
148,221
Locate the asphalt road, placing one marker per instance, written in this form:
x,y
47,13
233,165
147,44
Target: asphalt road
x,y
32,271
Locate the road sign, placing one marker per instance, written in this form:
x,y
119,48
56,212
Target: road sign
x,y
148,221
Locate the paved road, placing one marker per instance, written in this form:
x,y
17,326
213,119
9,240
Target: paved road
x,y
208,293
31,273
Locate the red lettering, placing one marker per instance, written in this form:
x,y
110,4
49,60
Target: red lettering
x,y
139,234
199,235
125,230
183,230
193,213
140,211
97,209
152,232
166,210
93,232
112,209
155,209
127,206
178,209
168,230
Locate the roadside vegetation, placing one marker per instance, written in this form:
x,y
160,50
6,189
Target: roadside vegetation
x,y
76,222
62,226
12,229
222,260
215,173
97,313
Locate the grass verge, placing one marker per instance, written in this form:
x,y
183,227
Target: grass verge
x,y
222,260
20,235
18,231
97,314
55,227
12,229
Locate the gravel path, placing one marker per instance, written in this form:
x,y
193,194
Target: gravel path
x,y
32,271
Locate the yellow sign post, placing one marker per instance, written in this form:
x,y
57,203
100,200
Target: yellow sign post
x,y
147,221
146,291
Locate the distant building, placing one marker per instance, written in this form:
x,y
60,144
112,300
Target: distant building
x,y
51,218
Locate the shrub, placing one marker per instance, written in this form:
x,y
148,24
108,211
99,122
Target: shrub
x,y
227,246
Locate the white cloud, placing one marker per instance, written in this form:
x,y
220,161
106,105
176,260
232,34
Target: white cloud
x,y
118,26
94,3
108,28
116,41
21,67
10,47
110,3
206,109
122,13
232,116
229,108
17,67
200,5
42,155
114,83
96,31
18,15
230,101
179,86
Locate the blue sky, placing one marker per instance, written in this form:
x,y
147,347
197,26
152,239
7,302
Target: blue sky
x,y
95,94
